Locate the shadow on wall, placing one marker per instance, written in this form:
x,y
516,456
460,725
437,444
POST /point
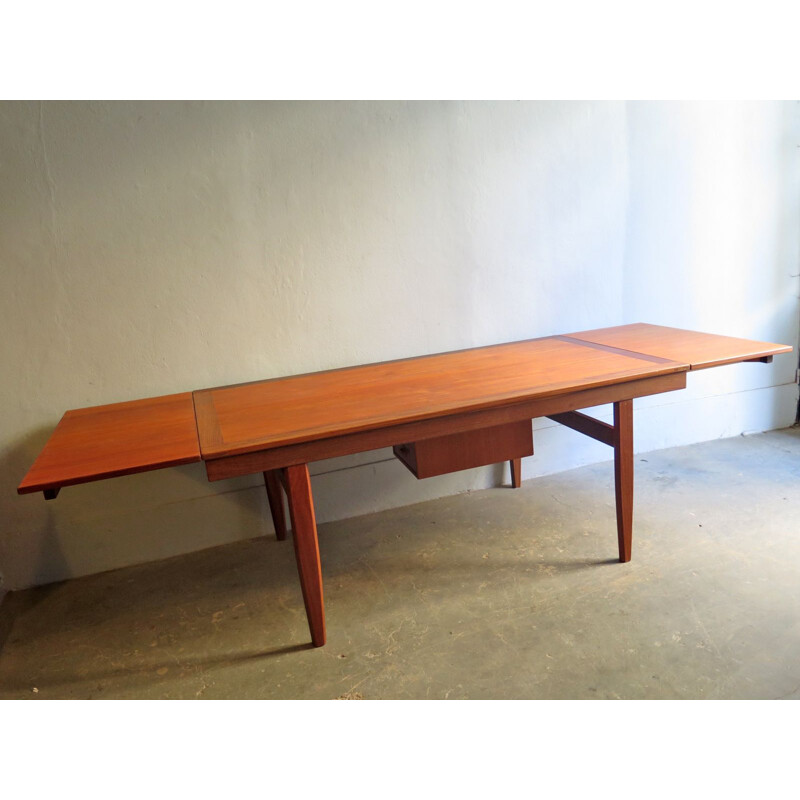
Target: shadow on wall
x,y
97,526
94,527
26,513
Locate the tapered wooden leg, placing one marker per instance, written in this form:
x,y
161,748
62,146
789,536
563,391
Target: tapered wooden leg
x,y
306,548
516,472
273,483
623,475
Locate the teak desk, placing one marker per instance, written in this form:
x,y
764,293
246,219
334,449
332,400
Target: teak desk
x,y
440,413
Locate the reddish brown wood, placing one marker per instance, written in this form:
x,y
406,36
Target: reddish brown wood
x,y
272,482
306,548
456,451
700,350
575,339
308,408
119,439
123,438
623,475
331,447
284,423
406,454
208,432
589,426
515,465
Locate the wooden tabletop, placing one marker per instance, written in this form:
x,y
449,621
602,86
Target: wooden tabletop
x,y
105,441
699,350
273,413
119,439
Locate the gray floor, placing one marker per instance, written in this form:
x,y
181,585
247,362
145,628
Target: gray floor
x,y
495,594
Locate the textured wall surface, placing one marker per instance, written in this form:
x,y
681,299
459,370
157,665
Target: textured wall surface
x,y
150,248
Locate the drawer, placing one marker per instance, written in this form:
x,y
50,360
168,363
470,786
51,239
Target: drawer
x,y
458,451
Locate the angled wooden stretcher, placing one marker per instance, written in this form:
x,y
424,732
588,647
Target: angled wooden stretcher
x,y
440,413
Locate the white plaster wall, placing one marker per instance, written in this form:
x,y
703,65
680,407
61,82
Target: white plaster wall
x,y
712,244
150,248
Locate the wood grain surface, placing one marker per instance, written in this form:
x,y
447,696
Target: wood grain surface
x,y
247,463
699,350
367,405
250,417
457,451
118,439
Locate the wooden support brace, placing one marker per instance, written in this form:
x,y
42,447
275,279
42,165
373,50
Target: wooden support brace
x,y
620,437
589,426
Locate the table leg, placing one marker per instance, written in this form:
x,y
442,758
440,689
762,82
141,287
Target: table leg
x,y
623,475
516,472
275,496
306,548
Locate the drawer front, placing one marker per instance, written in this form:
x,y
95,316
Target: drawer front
x,y
458,451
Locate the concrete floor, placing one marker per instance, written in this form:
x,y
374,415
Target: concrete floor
x,y
495,594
